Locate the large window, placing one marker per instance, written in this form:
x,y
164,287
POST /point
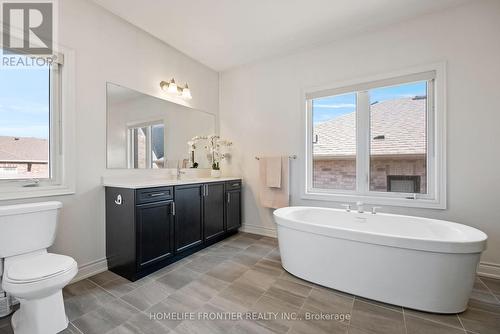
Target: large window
x,y
30,124
377,141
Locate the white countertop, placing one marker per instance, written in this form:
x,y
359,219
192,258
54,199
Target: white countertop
x,y
132,183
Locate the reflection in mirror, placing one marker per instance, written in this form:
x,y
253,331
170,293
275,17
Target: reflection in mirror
x,y
147,132
146,145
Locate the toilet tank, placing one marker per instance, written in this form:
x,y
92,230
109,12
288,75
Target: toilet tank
x,y
26,228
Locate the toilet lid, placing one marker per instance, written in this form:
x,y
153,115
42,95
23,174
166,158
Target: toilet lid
x,y
39,267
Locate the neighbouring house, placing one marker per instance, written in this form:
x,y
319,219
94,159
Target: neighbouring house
x,y
397,148
23,157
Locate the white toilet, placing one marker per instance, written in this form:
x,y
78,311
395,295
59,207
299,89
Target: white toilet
x,y
30,274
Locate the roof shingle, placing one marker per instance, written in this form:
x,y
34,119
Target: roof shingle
x,y
402,122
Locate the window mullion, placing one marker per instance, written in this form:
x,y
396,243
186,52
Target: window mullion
x,y
363,142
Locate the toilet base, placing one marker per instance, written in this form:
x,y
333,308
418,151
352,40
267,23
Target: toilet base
x,y
41,316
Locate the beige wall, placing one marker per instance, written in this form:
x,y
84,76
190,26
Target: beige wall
x,y
262,108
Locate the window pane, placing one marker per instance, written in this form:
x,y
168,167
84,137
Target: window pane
x,y
139,141
24,122
158,143
334,142
398,138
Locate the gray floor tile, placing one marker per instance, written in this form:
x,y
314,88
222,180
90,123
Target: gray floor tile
x,y
178,278
269,267
142,324
176,305
204,324
246,259
243,273
204,287
250,327
119,287
259,249
376,319
241,293
492,284
257,279
329,301
285,312
289,292
416,325
480,321
225,251
274,255
249,235
446,319
318,326
241,243
104,277
83,297
228,271
205,263
146,296
105,318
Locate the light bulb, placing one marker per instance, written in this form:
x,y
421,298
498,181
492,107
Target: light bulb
x,y
186,93
172,86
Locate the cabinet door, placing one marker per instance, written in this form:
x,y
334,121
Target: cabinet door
x,y
213,209
188,217
233,209
154,233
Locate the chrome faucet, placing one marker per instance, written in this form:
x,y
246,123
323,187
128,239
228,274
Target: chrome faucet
x,y
347,207
360,207
179,172
374,209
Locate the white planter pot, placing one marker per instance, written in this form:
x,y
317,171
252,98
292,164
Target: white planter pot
x,y
215,173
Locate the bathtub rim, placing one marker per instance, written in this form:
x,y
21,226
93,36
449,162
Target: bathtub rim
x,y
390,240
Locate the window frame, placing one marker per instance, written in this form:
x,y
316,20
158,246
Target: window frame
x,y
436,140
61,179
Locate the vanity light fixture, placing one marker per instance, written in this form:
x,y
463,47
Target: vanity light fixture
x,y
173,88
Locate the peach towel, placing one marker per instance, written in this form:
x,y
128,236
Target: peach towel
x,y
271,197
273,172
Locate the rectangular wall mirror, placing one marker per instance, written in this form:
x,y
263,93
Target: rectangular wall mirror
x,y
147,132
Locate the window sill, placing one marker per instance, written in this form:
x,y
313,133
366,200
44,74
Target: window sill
x,y
376,200
35,192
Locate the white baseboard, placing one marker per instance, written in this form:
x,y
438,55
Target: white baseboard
x,y
257,229
90,269
487,269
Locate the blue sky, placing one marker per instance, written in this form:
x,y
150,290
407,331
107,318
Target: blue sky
x,y
334,106
24,102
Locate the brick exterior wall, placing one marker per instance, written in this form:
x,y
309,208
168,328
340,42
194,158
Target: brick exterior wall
x,y
341,174
38,170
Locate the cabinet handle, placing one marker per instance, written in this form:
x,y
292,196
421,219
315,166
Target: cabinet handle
x,y
173,208
206,187
235,184
228,198
156,194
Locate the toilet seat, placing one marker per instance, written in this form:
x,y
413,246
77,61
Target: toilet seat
x,y
38,268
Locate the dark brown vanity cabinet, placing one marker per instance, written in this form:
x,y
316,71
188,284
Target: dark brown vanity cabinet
x,y
233,205
147,229
213,210
188,217
155,232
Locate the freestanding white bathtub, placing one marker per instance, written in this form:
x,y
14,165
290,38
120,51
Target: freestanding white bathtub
x,y
419,263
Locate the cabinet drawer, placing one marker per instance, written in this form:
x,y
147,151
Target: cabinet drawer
x,y
236,184
150,195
